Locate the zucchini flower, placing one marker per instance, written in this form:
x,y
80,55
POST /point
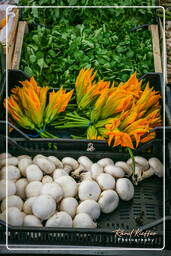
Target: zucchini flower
x,y
87,91
58,102
17,114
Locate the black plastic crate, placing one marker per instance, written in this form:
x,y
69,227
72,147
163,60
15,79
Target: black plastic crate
x,y
14,76
148,199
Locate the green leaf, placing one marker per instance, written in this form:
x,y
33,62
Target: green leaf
x,y
32,58
40,63
28,71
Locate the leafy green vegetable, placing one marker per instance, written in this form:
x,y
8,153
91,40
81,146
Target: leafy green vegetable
x,y
62,41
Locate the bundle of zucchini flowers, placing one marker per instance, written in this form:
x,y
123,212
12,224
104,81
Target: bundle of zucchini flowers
x,y
120,114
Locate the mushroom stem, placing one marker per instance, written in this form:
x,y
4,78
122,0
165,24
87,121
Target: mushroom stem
x,y
147,173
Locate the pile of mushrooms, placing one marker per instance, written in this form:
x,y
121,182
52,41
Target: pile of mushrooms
x,y
46,191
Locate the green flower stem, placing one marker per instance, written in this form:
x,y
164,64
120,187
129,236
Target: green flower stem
x,y
133,160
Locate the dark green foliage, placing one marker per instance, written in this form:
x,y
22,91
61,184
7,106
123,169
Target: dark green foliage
x,y
62,41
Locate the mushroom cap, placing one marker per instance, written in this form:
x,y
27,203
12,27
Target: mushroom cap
x,y
9,161
13,201
44,206
115,171
96,170
83,220
105,161
139,160
60,219
85,162
23,164
33,173
47,179
36,157
56,161
68,185
90,207
11,188
20,187
45,164
69,205
89,189
59,173
71,162
52,189
5,155
32,221
156,164
108,201
24,157
125,189
13,172
106,181
15,216
33,189
27,207
125,167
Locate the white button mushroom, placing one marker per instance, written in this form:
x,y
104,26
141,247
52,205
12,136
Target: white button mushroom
x,y
13,172
108,201
90,207
125,167
9,161
23,157
3,216
115,171
15,216
33,173
83,220
59,173
89,189
20,186
60,219
5,155
106,181
139,160
85,175
56,161
68,185
96,170
125,189
137,177
44,207
23,214
11,188
36,157
157,166
105,161
23,164
52,189
69,205
33,189
148,173
76,173
45,164
85,162
12,201
27,207
47,179
32,221
69,164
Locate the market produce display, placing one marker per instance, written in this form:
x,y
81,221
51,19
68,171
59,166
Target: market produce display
x,y
62,41
47,191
